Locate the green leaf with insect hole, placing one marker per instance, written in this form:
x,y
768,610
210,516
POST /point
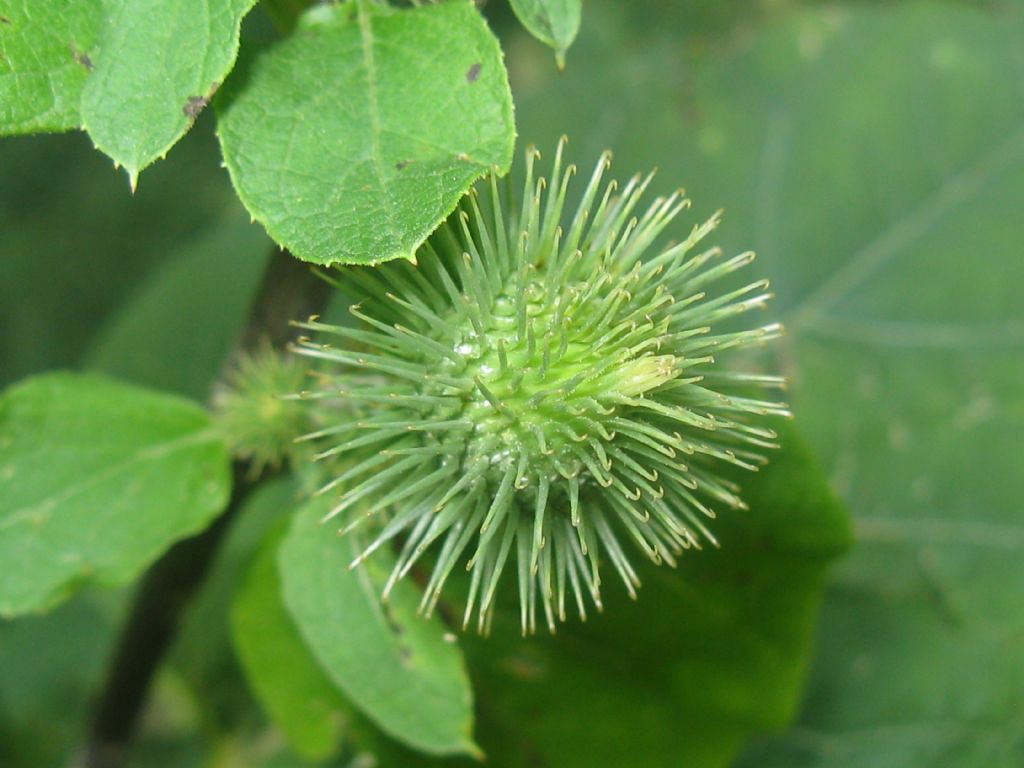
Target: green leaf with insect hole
x,y
403,671
351,140
134,75
554,22
708,654
46,50
97,479
283,674
156,68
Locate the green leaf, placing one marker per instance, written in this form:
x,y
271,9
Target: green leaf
x,y
157,66
46,50
351,140
554,22
872,158
135,75
706,656
403,671
901,289
285,677
98,478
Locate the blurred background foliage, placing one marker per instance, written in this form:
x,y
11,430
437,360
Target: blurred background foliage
x,y
871,152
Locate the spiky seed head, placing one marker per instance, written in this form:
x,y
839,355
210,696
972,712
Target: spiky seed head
x,y
541,385
254,411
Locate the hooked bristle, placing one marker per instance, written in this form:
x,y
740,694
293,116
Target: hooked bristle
x,y
541,383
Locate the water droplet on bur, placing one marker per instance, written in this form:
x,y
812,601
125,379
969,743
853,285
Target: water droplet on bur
x,y
503,306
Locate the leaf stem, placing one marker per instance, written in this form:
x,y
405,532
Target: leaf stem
x,y
289,290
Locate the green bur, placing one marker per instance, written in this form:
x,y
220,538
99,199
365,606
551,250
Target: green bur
x,y
541,385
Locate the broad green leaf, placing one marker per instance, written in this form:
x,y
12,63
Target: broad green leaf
x,y
902,294
401,670
178,328
554,22
285,677
46,51
156,68
97,479
874,157
706,656
351,140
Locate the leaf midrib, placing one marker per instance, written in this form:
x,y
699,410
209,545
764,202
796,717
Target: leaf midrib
x,y
367,41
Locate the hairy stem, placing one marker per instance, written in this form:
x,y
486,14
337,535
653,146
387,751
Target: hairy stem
x,y
289,290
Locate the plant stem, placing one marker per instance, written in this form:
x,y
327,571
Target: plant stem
x,y
288,290
147,635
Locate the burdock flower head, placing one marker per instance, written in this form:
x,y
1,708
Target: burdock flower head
x,y
543,385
